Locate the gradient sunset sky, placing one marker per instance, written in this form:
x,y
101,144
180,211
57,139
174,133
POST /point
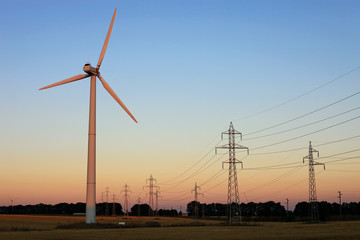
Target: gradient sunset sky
x,y
284,72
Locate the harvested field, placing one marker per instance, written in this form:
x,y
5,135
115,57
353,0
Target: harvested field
x,y
45,227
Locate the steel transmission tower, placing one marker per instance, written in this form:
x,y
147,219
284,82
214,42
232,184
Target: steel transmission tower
x,y
196,200
151,187
126,199
138,209
107,202
233,200
287,206
340,194
157,195
314,209
102,203
114,209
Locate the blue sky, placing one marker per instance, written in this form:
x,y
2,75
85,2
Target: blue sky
x,y
185,69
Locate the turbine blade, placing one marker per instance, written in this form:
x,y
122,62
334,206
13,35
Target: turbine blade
x,y
68,80
102,54
113,94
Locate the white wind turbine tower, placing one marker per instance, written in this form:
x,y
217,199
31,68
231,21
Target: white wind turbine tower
x,y
91,169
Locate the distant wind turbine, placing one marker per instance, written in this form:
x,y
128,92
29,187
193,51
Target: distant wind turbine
x,y
91,170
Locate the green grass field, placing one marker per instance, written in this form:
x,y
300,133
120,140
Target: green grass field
x,y
45,227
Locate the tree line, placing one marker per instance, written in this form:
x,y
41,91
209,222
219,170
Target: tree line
x,y
272,211
267,211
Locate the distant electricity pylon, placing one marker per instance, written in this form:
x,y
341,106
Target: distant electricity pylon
x,y
102,203
114,209
151,187
126,190
233,200
314,208
107,202
12,204
287,206
157,195
196,200
340,194
139,202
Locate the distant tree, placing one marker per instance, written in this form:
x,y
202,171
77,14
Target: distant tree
x,y
251,209
190,208
100,208
220,209
325,210
351,208
144,210
335,208
168,212
302,209
270,209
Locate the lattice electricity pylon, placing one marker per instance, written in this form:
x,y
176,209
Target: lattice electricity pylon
x,y
102,203
340,194
126,190
157,195
138,208
314,209
151,187
233,200
114,208
107,202
196,200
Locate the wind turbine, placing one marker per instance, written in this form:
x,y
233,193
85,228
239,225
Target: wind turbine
x,y
91,167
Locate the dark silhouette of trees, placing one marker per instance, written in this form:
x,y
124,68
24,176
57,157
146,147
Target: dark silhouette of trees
x,y
329,211
100,209
60,208
168,212
302,209
267,211
143,209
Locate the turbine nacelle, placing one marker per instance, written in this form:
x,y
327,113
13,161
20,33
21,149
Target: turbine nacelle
x,y
90,69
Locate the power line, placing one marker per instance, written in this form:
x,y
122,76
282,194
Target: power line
x,y
178,198
200,170
299,96
213,177
215,186
301,116
305,125
320,130
268,183
343,163
343,159
281,190
294,169
337,154
167,182
271,167
342,170
288,165
302,148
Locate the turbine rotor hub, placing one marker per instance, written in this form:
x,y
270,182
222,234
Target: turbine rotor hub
x,y
90,69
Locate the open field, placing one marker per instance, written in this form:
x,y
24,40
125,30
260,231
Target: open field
x,y
44,227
